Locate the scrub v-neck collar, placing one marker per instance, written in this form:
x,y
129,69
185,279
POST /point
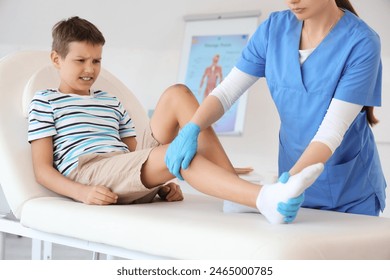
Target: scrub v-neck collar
x,y
296,47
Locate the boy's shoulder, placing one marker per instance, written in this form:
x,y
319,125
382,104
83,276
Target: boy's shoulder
x,y
45,95
46,92
105,95
101,93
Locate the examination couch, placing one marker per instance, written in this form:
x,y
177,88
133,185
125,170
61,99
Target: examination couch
x,y
195,228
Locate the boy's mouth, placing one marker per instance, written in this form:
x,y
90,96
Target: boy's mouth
x,y
86,78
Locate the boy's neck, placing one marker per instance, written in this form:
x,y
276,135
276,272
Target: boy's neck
x,y
88,93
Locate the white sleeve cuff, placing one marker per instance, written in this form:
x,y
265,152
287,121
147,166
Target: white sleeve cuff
x,y
336,122
232,87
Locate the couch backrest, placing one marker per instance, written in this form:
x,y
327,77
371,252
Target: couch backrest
x,y
21,75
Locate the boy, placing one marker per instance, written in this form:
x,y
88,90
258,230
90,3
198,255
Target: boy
x,y
83,141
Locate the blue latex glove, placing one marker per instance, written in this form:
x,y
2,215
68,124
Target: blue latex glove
x,y
182,149
284,177
290,208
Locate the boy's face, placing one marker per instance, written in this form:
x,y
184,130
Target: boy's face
x,y
80,68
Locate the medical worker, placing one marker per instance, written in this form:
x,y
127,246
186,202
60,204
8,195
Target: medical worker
x,y
323,68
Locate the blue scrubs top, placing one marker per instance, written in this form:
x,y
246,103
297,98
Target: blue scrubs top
x,y
346,65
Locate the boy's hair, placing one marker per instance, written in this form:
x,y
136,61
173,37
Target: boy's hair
x,y
74,29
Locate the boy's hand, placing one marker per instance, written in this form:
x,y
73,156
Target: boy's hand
x,y
171,192
98,195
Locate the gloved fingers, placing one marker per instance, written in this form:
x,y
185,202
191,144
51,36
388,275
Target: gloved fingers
x,y
293,204
289,219
178,176
288,213
284,177
297,200
287,209
176,170
187,159
290,209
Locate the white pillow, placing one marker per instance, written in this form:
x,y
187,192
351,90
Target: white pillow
x,y
46,77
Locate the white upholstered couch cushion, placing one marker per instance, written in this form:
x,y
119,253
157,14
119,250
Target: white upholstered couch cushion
x,y
196,228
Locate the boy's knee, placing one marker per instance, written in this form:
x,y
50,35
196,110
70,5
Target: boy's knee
x,y
178,88
177,92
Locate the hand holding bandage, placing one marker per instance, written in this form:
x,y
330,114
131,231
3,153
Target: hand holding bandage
x,y
290,208
280,202
182,149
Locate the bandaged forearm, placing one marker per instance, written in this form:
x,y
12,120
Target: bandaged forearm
x,y
232,87
336,122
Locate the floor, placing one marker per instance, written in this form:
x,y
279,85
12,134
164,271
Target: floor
x,y
19,248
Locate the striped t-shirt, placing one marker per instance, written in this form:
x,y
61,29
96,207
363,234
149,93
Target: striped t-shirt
x,y
79,125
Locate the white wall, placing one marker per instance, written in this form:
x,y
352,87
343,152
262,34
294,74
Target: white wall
x,y
143,49
144,40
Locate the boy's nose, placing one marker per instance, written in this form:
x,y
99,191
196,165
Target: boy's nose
x,y
89,69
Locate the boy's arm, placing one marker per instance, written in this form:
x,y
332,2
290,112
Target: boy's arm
x,y
49,177
131,143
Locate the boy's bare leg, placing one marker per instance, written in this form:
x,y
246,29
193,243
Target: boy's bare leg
x,y
174,109
202,174
216,181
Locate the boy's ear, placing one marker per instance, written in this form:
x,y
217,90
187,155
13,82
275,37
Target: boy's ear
x,y
55,59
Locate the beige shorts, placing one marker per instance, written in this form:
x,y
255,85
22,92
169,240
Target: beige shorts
x,y
119,171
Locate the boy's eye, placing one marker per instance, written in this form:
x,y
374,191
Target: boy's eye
x,y
95,61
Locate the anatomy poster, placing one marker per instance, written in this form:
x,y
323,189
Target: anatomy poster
x,y
210,59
